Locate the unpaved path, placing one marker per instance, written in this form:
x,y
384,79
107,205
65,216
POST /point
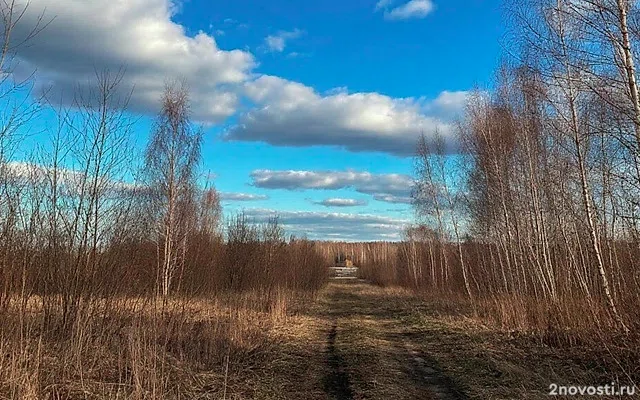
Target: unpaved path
x,y
359,341
371,354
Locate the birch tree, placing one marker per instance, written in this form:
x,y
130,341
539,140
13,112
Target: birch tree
x,y
172,159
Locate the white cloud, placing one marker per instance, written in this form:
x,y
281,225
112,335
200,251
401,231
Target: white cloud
x,y
292,114
277,42
337,202
334,226
450,104
227,196
383,4
412,9
70,181
384,187
389,198
139,36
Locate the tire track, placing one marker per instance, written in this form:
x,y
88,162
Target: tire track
x,y
437,383
336,382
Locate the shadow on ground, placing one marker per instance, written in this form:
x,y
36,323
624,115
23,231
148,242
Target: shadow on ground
x,y
370,353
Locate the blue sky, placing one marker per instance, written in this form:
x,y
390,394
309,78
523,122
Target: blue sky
x,y
310,108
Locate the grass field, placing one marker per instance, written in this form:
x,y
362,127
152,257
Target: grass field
x,y
354,341
392,344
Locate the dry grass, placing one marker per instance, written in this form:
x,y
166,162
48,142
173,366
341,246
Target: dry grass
x,y
493,363
376,326
198,348
250,346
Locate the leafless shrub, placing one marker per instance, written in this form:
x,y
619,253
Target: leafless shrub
x,y
545,208
85,251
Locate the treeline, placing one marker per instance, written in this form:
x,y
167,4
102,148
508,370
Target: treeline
x,y
83,221
535,222
118,276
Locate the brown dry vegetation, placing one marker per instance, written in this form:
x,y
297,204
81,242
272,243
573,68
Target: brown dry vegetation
x,y
217,333
382,329
533,228
118,281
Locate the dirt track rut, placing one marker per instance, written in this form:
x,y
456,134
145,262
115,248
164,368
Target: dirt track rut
x,y
371,354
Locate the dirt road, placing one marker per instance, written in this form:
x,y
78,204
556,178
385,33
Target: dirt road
x,y
370,353
359,341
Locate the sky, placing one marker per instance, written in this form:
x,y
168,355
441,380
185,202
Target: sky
x,y
311,109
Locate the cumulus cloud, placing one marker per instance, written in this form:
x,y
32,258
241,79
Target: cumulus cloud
x,y
228,196
277,42
70,181
412,9
449,105
383,187
337,202
139,36
389,198
334,226
292,114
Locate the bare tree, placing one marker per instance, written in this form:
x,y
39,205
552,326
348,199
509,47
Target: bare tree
x,y
87,205
428,201
172,159
17,108
435,194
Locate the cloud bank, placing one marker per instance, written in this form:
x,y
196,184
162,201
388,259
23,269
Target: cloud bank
x,y
288,113
230,196
392,188
337,202
138,35
389,198
334,226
